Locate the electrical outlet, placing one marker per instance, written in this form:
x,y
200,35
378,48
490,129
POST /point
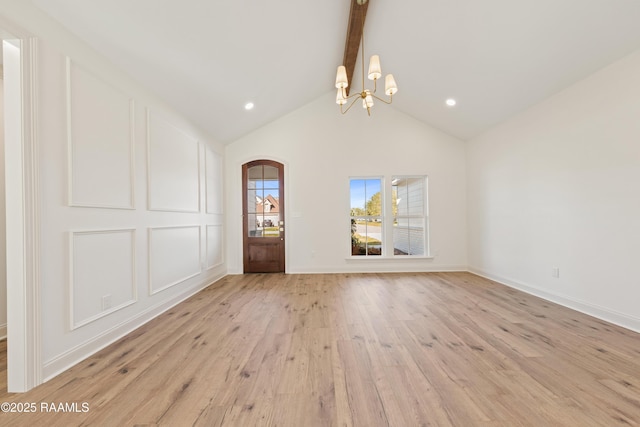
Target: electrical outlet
x,y
106,302
555,272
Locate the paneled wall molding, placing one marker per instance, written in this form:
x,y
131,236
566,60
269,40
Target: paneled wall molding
x,y
100,140
171,154
213,182
214,244
174,255
102,274
74,355
77,173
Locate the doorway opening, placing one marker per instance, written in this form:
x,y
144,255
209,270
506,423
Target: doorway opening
x,y
263,217
3,240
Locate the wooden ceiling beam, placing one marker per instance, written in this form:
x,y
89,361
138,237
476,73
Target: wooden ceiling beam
x,y
357,15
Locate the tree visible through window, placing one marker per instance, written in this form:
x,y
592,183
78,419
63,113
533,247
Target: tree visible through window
x,y
407,227
366,216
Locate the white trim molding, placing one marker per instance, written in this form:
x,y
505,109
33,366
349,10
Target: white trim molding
x,y
73,141
23,219
80,352
77,323
154,288
220,247
152,180
602,313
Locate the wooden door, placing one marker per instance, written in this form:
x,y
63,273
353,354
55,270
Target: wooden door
x,y
263,216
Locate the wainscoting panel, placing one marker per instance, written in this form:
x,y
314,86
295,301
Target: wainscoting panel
x,y
174,167
174,256
102,274
214,182
214,246
100,123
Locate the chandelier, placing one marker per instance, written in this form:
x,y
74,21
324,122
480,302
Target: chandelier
x,y
375,72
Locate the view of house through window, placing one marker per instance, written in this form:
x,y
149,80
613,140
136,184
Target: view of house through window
x,y
409,215
366,216
408,208
263,201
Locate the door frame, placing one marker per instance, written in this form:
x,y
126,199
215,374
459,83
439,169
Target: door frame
x,y
24,328
283,197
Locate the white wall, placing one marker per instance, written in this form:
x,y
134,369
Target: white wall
x,y
3,237
321,149
131,221
558,186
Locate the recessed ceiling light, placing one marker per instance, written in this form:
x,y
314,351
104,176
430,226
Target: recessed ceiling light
x,y
248,106
450,102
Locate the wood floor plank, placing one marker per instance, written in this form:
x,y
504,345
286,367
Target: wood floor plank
x,y
383,349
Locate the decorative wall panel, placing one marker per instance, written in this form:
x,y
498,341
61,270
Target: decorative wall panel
x,y
214,182
174,167
100,122
102,273
214,246
174,256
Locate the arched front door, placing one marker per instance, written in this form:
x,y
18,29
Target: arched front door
x,y
263,216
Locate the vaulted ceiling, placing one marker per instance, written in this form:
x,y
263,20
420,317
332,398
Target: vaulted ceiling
x,y
208,58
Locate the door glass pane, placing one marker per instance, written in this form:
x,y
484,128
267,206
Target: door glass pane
x,y
263,200
254,173
252,197
252,226
270,173
270,178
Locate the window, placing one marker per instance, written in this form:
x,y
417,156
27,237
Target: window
x,y
405,232
409,215
366,216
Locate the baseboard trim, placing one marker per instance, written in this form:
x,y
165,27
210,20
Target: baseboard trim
x,y
602,313
79,353
381,267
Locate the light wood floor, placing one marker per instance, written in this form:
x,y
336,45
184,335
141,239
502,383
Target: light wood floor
x,y
440,349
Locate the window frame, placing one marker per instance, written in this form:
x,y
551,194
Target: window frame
x,y
423,217
370,218
387,218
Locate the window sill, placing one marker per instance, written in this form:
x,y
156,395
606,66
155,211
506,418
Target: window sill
x,y
387,258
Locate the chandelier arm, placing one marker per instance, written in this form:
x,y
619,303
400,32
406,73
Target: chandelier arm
x,y
350,105
354,95
385,101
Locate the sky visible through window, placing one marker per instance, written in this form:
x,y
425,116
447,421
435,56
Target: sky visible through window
x,y
362,190
266,187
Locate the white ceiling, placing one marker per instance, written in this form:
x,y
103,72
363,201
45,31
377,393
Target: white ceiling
x,y
208,58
